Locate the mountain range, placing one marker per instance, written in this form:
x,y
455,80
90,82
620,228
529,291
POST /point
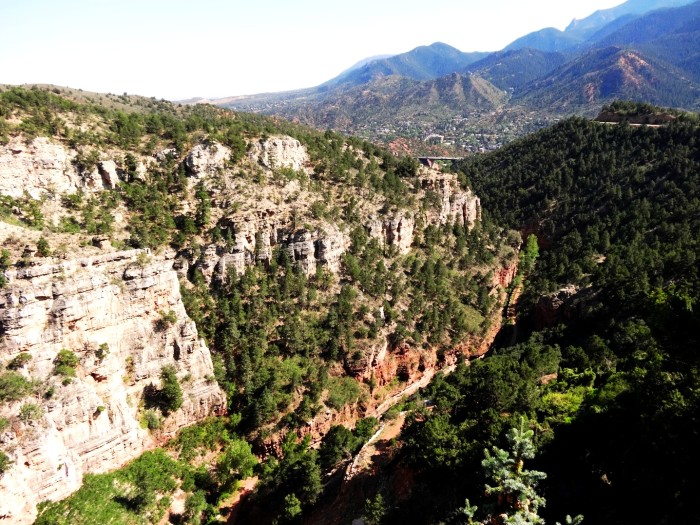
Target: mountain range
x,y
642,50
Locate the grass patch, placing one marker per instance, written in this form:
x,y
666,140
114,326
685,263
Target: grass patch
x,y
137,494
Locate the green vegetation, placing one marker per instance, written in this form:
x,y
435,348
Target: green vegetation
x,y
65,363
166,320
151,420
42,247
141,491
5,463
30,412
516,500
167,398
130,495
375,510
4,262
615,208
204,436
293,483
102,351
14,386
19,361
340,444
170,392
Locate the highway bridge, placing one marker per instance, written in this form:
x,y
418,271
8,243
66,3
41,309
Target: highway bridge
x,y
432,162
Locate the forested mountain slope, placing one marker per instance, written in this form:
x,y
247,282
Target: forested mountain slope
x,y
606,369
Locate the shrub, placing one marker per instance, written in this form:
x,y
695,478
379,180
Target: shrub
x,y
65,363
30,412
4,265
102,351
19,361
13,386
166,320
42,247
142,260
170,393
151,420
5,462
69,225
5,262
169,397
342,391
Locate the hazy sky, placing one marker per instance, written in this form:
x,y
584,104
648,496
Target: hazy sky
x,y
177,49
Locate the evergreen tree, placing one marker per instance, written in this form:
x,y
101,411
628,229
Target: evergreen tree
x,y
517,501
514,485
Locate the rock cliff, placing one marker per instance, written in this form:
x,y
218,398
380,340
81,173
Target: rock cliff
x,y
453,205
277,213
255,238
279,152
109,310
41,166
207,158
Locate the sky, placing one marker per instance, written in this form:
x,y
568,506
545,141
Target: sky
x,y
178,49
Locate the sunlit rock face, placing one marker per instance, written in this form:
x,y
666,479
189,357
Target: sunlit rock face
x,y
108,310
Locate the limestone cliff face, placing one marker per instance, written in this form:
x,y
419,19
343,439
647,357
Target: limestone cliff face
x,y
93,423
279,152
255,234
42,166
453,206
456,205
393,231
255,237
208,158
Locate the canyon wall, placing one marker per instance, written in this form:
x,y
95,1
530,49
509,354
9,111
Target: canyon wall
x,y
40,166
121,314
256,233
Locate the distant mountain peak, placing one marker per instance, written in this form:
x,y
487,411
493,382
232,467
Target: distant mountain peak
x,y
421,63
551,39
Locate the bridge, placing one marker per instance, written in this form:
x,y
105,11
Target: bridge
x,y
433,162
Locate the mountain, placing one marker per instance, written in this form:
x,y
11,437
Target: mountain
x,y
578,31
672,35
549,39
666,23
421,63
603,75
364,62
641,50
516,68
593,23
395,98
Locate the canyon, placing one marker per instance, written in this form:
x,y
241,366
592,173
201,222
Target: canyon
x,y
93,323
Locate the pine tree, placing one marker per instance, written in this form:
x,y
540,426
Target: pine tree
x,y
514,486
517,502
